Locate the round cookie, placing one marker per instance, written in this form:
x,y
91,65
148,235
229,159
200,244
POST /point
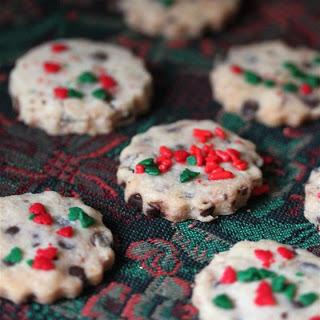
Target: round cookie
x,y
270,82
79,86
51,247
189,170
178,18
259,280
312,201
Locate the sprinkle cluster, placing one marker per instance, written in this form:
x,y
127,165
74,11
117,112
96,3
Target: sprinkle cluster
x,y
207,156
308,82
44,257
264,293
106,83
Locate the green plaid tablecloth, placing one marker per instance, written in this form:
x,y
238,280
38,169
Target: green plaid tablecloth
x,y
156,260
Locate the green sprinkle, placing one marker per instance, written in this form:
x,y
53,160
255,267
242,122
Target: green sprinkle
x,y
31,216
252,77
269,83
73,93
223,301
264,273
192,160
290,87
308,298
147,162
299,274
290,65
317,60
248,275
298,74
74,213
102,94
14,256
29,262
290,291
312,80
188,175
85,220
87,77
278,284
152,170
167,3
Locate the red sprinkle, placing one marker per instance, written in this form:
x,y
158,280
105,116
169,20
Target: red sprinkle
x,y
139,168
202,135
264,295
236,69
223,156
42,263
210,166
51,67
195,150
315,318
260,190
37,208
229,276
286,253
165,151
305,89
240,164
207,148
43,218
66,232
220,133
199,159
59,47
221,175
181,155
233,153
60,92
266,256
49,253
107,82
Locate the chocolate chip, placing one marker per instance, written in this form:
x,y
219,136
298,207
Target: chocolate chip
x,y
243,190
311,102
99,55
62,222
249,109
297,304
207,212
98,239
154,210
284,315
65,245
309,267
136,200
225,196
12,230
7,263
78,272
36,244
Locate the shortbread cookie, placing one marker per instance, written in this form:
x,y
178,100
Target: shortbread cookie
x,y
270,82
312,202
51,247
259,280
79,86
189,170
178,18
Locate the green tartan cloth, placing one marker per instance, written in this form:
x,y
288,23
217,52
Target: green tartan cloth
x,y
156,260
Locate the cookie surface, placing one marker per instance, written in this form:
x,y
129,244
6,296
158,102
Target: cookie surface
x,y
259,280
79,86
178,18
270,82
51,247
189,170
312,200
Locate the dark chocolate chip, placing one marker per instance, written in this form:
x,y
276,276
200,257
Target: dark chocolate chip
x,y
225,196
311,102
249,109
36,244
136,200
65,245
207,212
7,263
154,210
78,272
99,55
243,190
297,304
284,315
98,239
62,221
309,267
12,230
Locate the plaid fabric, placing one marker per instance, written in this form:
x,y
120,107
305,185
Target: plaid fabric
x,y
156,260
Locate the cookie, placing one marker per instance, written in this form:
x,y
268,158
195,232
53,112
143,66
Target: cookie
x,y
79,86
51,247
259,280
270,82
189,169
312,201
178,18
